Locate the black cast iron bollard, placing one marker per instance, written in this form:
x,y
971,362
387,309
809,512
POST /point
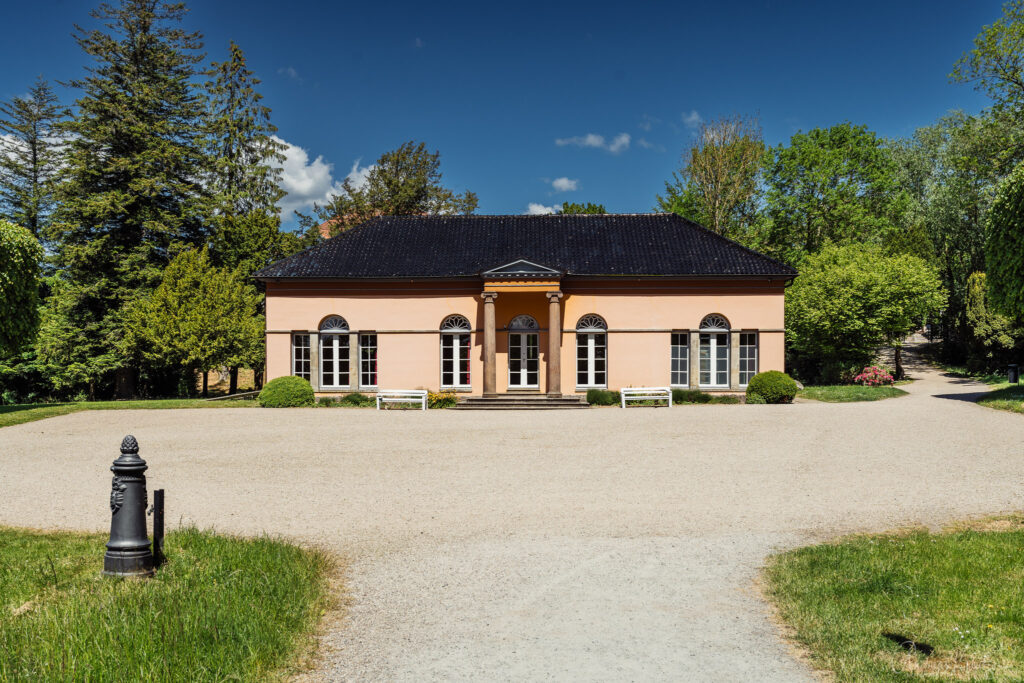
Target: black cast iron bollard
x,y
128,552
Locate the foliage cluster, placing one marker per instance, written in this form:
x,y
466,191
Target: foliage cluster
x,y
603,397
221,609
20,254
873,376
442,399
287,392
773,386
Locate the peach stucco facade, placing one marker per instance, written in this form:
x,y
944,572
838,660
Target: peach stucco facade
x,y
640,316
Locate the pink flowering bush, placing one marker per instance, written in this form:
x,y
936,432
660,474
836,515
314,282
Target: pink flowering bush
x,y
873,376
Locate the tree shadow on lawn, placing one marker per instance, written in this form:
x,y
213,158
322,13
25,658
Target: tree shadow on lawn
x,y
18,407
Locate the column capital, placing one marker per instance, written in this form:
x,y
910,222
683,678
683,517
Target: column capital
x,y
489,297
553,296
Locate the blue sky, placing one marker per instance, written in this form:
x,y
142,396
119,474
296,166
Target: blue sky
x,y
516,96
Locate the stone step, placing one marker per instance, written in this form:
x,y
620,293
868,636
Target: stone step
x,y
524,402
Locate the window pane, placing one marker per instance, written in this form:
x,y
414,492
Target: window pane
x,y
300,355
368,360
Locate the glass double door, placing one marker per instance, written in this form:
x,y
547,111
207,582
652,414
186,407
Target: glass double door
x,y
714,360
523,360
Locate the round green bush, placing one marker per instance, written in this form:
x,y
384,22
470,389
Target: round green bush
x,y
755,398
287,392
773,386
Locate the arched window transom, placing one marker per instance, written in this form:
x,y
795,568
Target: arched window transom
x,y
523,322
591,323
335,324
455,323
714,323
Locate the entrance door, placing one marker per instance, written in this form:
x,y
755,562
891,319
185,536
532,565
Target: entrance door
x,y
714,359
523,360
590,359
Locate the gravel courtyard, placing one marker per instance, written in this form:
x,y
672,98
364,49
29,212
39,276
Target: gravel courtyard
x,y
594,545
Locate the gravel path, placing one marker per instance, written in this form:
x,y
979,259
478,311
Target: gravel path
x,y
592,545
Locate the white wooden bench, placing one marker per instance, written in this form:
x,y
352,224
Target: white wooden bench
x,y
402,396
646,394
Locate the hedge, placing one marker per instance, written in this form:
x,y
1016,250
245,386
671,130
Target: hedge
x,y
287,392
773,386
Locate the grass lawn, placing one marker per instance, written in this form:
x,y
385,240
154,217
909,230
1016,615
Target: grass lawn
x,y
1008,397
844,393
28,412
221,609
909,606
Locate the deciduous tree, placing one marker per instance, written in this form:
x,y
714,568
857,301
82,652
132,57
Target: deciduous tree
x,y
20,254
717,185
1004,249
574,208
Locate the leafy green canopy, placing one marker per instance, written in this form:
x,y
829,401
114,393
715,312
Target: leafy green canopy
x,y
996,64
850,300
403,182
31,143
994,337
20,254
570,208
1004,253
830,186
200,317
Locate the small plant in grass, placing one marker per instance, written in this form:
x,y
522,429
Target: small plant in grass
x,y
357,400
287,392
442,399
873,376
603,397
773,386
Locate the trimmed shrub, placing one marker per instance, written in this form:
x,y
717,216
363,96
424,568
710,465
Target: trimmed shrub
x,y
773,386
726,399
755,399
326,402
287,392
442,399
690,396
603,397
357,400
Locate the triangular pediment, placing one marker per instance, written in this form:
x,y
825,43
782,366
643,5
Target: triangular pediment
x,y
522,268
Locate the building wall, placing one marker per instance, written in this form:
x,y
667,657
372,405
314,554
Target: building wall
x,y
640,318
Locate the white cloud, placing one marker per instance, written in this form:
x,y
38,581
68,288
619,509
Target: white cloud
x,y
305,181
692,119
290,72
619,143
535,209
647,122
564,184
358,176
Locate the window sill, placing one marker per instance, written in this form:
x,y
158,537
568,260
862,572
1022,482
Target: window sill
x,y
458,390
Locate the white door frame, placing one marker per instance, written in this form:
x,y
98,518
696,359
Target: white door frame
x,y
524,339
713,357
591,359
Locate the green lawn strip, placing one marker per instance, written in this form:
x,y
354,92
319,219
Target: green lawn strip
x,y
222,608
908,606
29,412
845,393
1008,397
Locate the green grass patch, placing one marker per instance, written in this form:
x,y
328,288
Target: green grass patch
x,y
846,393
909,606
1009,397
29,412
222,608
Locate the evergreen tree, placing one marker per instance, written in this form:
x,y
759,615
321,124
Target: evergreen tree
x,y
132,194
243,151
30,151
20,254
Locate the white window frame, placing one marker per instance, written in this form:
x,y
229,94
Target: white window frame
x,y
684,360
589,327
339,344
363,362
453,329
752,357
306,374
713,358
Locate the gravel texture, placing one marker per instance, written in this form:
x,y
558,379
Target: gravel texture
x,y
605,544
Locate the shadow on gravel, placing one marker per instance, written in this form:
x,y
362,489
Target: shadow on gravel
x,y
969,397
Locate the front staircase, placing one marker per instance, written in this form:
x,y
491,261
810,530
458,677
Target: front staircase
x,y
521,402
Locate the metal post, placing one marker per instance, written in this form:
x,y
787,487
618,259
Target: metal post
x,y
128,551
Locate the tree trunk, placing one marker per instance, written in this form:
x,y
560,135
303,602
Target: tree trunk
x,y
233,381
206,378
257,379
898,356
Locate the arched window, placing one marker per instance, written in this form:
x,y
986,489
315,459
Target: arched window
x,y
455,349
591,351
523,322
334,353
714,352
523,353
714,322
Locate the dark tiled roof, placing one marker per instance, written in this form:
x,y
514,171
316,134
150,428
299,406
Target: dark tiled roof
x,y
580,244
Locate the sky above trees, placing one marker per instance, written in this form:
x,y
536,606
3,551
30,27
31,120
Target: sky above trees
x,y
533,104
